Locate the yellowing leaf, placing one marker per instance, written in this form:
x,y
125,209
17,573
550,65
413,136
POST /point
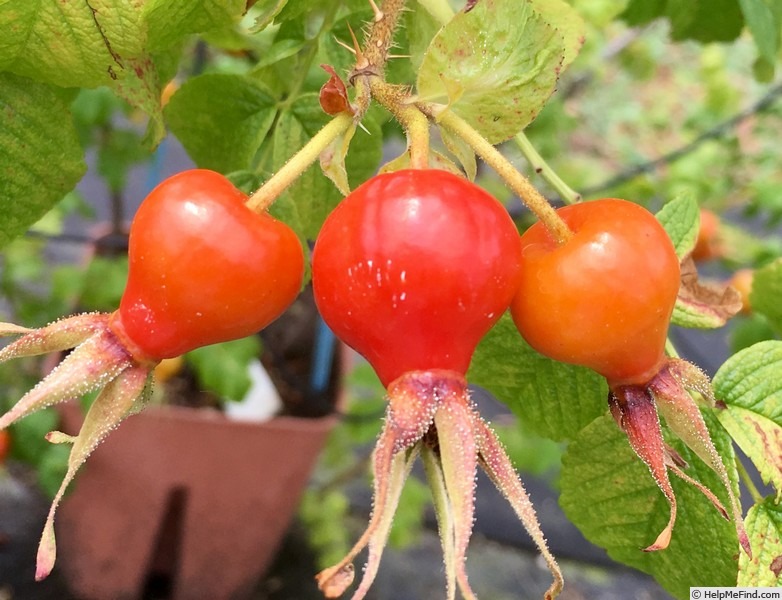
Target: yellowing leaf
x,y
502,57
764,526
749,386
40,155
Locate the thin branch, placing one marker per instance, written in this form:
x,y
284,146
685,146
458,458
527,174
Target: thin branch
x,y
765,103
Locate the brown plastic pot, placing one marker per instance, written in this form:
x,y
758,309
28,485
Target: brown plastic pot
x,y
187,495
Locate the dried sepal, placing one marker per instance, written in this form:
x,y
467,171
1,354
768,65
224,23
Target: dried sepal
x,y
686,421
109,408
634,410
431,413
495,462
99,361
390,468
400,469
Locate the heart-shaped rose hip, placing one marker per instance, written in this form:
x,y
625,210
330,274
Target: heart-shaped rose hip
x,y
204,268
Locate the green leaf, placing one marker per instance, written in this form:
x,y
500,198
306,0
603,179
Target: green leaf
x,y
420,28
462,151
495,66
700,20
104,283
763,24
312,197
564,18
265,11
608,493
642,12
553,399
750,386
221,120
750,330
223,368
764,527
332,160
168,21
142,89
705,20
767,292
105,42
40,155
681,219
528,452
70,43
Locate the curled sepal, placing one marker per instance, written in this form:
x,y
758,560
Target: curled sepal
x,y
634,411
89,367
495,462
459,460
685,419
109,408
391,465
400,469
60,335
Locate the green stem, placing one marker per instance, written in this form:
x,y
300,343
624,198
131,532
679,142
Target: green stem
x,y
396,100
537,162
531,197
744,476
265,196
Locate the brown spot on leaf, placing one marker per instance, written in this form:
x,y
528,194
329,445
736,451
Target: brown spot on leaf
x,y
718,301
776,566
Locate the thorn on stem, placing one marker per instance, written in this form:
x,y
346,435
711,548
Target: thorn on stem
x,y
345,46
375,9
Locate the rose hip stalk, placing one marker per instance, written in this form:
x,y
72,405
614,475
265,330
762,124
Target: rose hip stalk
x,y
204,268
411,270
604,299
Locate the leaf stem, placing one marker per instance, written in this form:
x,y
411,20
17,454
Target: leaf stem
x,y
757,497
537,162
520,185
265,196
396,99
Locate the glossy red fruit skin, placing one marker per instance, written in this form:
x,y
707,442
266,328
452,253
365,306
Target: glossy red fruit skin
x,y
413,268
603,299
204,268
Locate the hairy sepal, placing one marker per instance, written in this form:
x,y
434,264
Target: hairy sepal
x,y
495,462
94,363
634,410
109,408
55,337
683,416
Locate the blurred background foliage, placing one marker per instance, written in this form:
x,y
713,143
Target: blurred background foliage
x,y
666,97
